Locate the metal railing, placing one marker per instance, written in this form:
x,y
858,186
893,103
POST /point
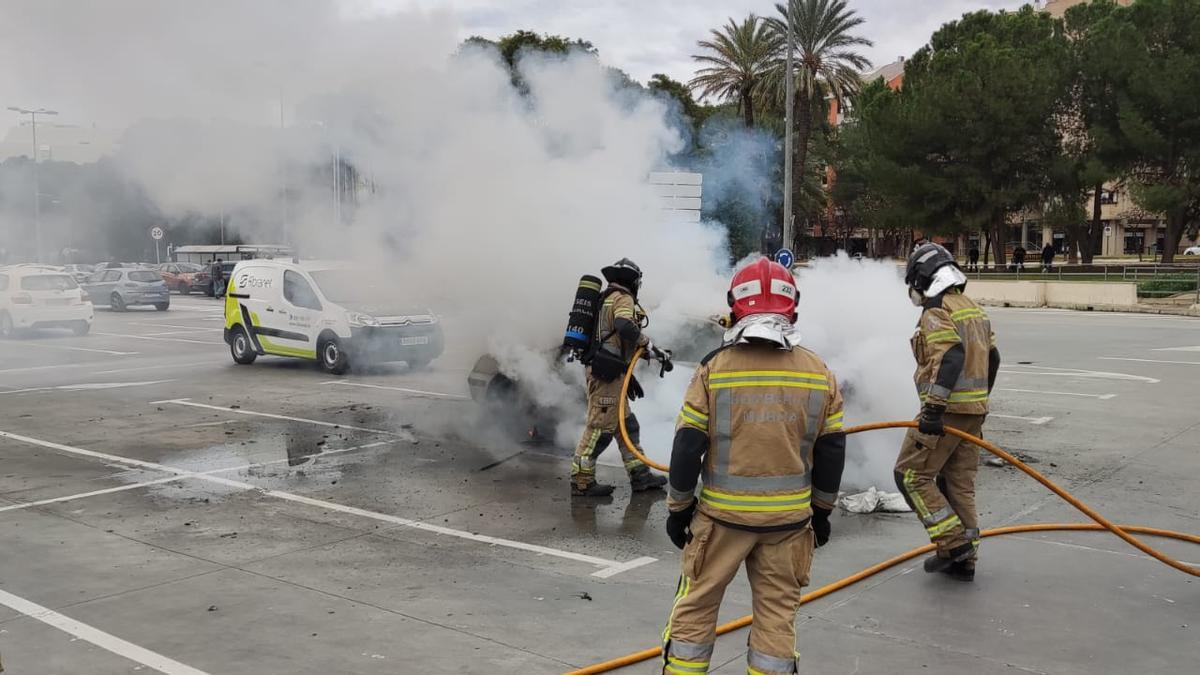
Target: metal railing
x,y
1153,280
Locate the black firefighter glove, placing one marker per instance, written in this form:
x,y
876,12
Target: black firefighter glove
x,y
930,422
663,356
820,525
679,525
635,389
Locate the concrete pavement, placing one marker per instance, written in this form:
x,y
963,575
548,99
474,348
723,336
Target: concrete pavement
x,y
162,508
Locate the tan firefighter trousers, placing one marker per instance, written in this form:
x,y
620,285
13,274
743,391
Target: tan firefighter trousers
x,y
603,398
937,475
777,564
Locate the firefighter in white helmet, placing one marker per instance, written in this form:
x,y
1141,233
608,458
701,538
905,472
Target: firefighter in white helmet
x,y
957,361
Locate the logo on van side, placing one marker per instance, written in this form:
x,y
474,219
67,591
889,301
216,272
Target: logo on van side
x,y
248,280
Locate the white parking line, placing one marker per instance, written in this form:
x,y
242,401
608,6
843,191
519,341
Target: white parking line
x,y
96,636
165,366
417,392
73,349
183,475
1102,397
1075,372
1179,349
1119,358
610,567
1031,420
155,324
92,386
190,331
158,339
239,411
93,493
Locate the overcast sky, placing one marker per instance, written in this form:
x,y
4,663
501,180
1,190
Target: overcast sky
x,y
643,37
125,59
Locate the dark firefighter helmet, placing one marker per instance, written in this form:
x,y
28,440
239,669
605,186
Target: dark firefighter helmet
x,y
624,272
924,262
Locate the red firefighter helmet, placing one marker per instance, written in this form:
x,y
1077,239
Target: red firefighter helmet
x,y
763,287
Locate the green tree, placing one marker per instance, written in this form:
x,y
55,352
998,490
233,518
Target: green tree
x,y
825,64
1154,49
512,46
972,137
1092,155
735,61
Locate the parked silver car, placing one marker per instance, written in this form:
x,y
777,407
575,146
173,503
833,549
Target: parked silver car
x,y
123,287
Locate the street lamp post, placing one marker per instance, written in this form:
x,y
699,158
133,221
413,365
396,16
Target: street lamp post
x,y
37,189
788,149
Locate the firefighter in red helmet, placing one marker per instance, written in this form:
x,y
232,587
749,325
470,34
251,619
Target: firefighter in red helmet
x,y
761,423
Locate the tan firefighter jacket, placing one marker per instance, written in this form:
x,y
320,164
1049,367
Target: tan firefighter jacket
x,y
763,409
957,321
619,304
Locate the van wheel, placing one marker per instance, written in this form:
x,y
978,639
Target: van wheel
x,y
116,303
162,306
6,326
240,347
333,356
81,328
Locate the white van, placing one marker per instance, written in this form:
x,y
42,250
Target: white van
x,y
36,296
332,313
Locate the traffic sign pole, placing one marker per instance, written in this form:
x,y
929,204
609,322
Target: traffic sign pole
x,y
785,257
156,233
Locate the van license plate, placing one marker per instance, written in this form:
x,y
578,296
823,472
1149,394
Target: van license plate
x,y
417,340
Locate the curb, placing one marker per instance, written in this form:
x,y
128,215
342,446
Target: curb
x,y
1193,311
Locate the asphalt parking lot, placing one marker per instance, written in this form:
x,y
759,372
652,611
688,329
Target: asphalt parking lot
x,y
164,509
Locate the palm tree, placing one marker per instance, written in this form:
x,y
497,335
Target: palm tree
x,y
824,64
738,59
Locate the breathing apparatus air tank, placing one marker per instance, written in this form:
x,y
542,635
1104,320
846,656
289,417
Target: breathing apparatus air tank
x,y
582,322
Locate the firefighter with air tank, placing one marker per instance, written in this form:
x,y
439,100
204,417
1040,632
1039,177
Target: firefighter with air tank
x,y
605,330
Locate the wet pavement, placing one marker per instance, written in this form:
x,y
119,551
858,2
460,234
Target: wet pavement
x,y
164,509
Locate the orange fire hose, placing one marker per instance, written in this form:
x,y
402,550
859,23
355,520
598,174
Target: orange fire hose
x,y
1102,523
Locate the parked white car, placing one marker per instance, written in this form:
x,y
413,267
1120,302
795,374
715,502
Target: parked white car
x,y
34,296
1194,250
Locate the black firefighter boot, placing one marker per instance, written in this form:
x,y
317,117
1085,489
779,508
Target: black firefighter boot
x,y
641,480
592,489
958,562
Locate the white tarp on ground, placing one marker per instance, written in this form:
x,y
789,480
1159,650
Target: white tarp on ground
x,y
873,501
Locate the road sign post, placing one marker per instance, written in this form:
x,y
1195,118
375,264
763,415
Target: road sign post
x,y
156,233
785,257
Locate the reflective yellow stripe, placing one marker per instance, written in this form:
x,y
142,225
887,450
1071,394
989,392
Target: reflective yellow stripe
x,y
769,383
685,585
918,502
757,503
767,373
970,396
943,527
691,417
968,313
942,336
835,422
675,665
589,284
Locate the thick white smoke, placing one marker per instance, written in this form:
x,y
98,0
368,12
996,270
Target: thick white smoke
x,y
482,202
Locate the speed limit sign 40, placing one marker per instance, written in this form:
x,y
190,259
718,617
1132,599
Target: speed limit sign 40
x,y
156,233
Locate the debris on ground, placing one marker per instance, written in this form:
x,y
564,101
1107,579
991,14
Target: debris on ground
x,y
874,501
584,596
